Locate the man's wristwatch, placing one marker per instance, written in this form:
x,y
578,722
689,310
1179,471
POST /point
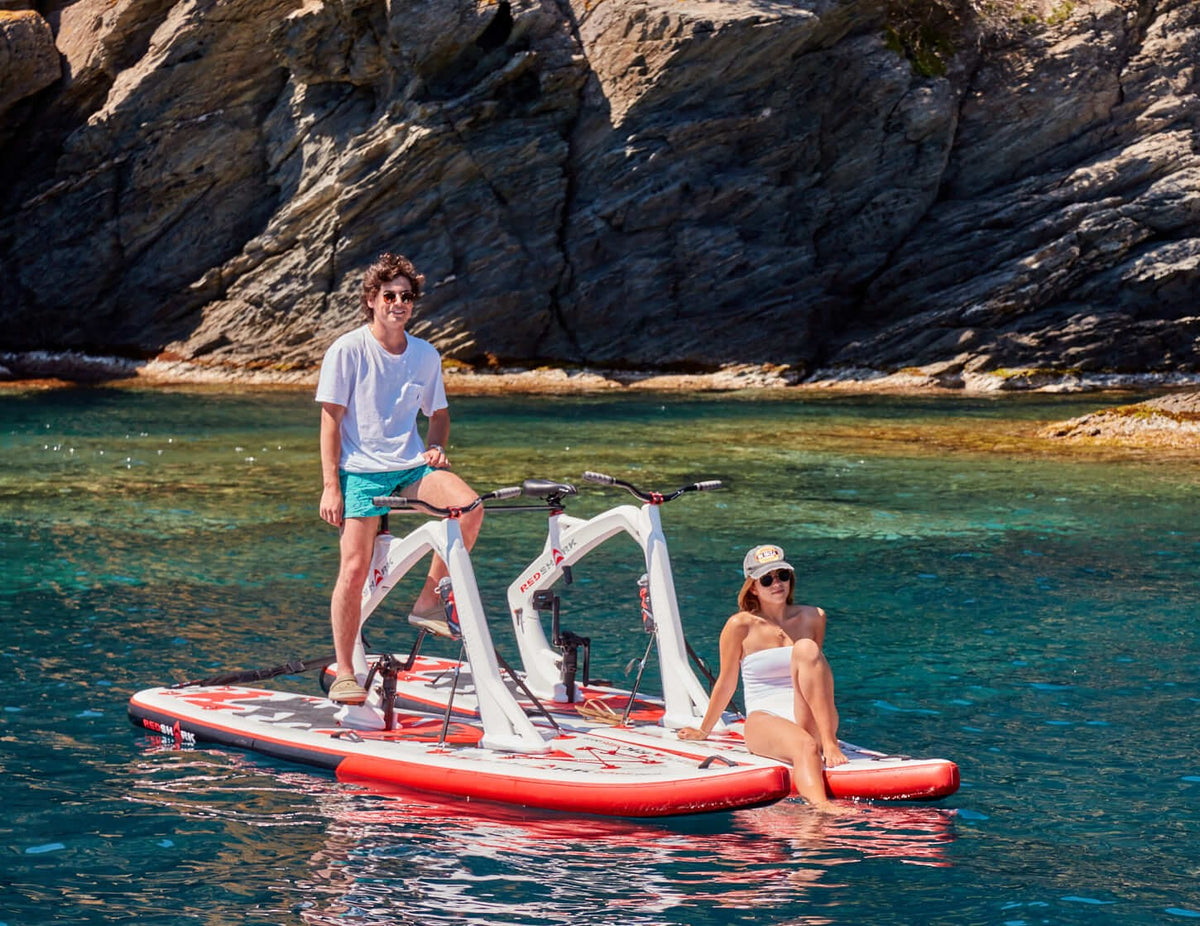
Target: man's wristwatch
x,y
437,447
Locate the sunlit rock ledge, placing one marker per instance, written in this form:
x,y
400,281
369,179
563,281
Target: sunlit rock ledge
x,y
1170,421
71,367
1166,423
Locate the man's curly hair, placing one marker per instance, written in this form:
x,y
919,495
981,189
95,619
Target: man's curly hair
x,y
385,269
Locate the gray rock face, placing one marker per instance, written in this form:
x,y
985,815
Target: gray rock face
x,y
28,58
645,183
1066,231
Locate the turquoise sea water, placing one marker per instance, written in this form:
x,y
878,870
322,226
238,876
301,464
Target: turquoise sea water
x,y
1032,616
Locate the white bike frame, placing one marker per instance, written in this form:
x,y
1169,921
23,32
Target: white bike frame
x,y
505,724
568,540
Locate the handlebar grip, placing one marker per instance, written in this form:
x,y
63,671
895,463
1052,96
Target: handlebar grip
x,y
599,478
506,492
708,485
389,501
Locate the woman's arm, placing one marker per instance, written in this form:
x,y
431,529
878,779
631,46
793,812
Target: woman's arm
x,y
810,624
732,637
818,627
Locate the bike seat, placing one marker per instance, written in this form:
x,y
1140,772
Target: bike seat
x,y
540,487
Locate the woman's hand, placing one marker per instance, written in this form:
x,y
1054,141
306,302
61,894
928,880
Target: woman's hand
x,y
691,733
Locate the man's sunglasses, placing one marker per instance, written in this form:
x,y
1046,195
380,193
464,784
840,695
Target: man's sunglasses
x,y
406,297
783,575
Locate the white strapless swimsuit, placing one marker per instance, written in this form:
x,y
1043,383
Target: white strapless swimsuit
x,y
767,682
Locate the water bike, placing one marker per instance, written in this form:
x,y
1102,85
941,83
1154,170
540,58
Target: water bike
x,y
553,683
500,749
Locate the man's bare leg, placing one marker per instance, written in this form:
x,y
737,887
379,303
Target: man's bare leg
x,y
443,489
357,545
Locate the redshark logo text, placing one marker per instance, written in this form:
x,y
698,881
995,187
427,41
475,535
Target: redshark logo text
x,y
167,731
556,557
378,573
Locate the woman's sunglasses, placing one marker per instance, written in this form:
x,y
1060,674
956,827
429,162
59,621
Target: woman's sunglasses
x,y
406,297
783,575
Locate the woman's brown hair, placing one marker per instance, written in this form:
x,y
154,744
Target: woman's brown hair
x,y
748,598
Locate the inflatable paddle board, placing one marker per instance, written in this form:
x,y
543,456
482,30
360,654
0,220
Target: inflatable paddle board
x,y
576,772
604,712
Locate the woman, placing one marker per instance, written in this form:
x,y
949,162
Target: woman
x,y
790,714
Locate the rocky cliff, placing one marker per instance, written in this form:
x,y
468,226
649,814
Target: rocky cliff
x,y
638,183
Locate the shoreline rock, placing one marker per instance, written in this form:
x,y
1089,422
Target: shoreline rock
x,y
1166,422
71,368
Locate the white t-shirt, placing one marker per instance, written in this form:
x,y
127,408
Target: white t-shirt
x,y
382,393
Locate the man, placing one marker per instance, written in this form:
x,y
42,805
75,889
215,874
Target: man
x,y
373,382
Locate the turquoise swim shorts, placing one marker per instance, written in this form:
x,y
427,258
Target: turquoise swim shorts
x,y
359,488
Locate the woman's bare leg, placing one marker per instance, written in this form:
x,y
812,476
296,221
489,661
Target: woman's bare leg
x,y
776,738
812,680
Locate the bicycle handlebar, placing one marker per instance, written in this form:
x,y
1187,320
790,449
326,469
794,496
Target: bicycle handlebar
x,y
551,491
653,498
398,503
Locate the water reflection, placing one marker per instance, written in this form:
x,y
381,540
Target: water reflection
x,y
386,855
